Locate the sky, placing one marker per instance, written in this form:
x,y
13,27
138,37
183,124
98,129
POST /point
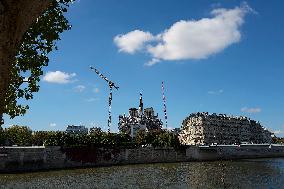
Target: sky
x,y
213,56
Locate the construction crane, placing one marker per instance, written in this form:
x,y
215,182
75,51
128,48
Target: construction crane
x,y
164,103
111,85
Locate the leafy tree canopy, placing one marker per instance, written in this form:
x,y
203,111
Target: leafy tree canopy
x,y
31,57
19,135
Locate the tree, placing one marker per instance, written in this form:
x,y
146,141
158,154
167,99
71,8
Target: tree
x,y
2,136
95,130
140,138
19,135
277,140
39,137
28,32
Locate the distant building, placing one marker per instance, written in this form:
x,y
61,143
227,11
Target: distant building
x,y
74,129
139,120
205,129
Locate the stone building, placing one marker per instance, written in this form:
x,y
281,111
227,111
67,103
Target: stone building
x,y
206,129
139,120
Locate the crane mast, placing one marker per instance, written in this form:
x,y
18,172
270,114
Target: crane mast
x,y
164,103
111,85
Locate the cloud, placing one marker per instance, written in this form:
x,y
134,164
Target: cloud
x,y
216,92
59,77
251,110
79,88
52,125
96,90
132,41
277,132
152,62
92,99
188,39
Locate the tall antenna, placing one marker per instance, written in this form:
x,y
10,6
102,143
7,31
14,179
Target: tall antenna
x,y
164,102
111,85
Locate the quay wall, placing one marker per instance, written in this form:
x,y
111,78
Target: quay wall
x,y
227,152
13,159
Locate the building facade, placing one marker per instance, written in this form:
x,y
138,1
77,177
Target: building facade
x,y
206,129
74,129
139,120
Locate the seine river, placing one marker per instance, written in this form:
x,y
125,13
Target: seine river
x,y
252,173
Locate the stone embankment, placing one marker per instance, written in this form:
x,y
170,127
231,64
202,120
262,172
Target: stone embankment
x,y
14,159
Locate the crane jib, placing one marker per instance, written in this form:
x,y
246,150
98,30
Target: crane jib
x,y
111,85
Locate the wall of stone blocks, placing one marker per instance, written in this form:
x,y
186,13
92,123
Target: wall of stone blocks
x,y
14,159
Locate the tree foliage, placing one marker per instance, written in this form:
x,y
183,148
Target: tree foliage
x,y
158,139
31,57
2,136
19,135
278,140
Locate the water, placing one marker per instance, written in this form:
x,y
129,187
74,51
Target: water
x,y
251,173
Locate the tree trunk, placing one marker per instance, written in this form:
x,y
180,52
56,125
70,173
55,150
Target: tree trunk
x,y
16,17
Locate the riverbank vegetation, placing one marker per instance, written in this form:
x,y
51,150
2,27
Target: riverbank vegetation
x,y
278,140
24,136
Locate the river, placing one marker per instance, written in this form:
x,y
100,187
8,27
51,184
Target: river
x,y
249,173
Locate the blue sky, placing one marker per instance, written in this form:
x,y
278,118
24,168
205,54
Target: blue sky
x,y
214,56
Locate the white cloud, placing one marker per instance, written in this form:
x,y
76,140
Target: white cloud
x,y
132,41
170,128
52,125
92,99
59,77
96,90
251,110
216,92
80,88
152,62
278,132
188,39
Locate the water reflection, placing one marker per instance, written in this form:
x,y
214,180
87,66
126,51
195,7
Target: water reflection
x,y
257,173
